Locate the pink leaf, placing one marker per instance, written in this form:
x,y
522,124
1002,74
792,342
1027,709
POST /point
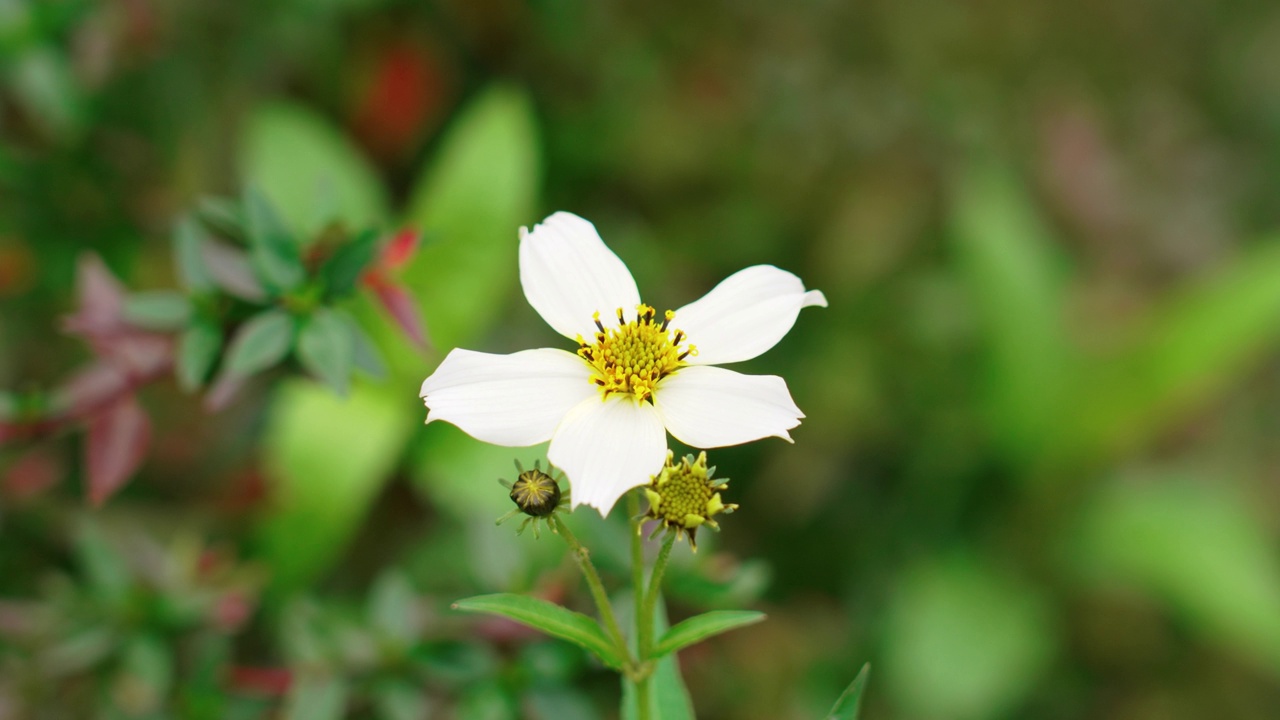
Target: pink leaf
x,y
141,353
89,388
400,249
223,391
117,442
402,308
230,268
101,298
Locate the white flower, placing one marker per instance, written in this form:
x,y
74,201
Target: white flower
x,y
636,376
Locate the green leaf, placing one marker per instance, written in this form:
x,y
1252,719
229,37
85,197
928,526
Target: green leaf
x,y
107,571
487,700
272,249
326,348
260,343
317,697
392,607
1200,547
700,627
343,270
366,356
964,640
44,82
400,700
198,349
1193,347
1007,259
550,618
146,672
473,198
849,704
326,459
549,702
222,216
157,310
187,237
310,170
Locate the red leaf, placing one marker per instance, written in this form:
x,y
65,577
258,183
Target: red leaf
x,y
117,442
261,680
32,473
401,249
402,308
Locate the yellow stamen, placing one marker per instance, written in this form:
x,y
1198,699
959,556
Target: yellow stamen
x,y
632,357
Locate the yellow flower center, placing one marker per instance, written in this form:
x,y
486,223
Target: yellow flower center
x,y
632,357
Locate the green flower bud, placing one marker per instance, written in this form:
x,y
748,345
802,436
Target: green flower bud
x,y
684,497
536,494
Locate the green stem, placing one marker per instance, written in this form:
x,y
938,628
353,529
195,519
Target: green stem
x,y
643,621
651,597
583,558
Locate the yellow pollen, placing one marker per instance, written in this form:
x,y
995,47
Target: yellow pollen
x,y
633,356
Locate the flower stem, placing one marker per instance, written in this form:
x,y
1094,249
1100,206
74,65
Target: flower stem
x,y
651,597
643,620
583,558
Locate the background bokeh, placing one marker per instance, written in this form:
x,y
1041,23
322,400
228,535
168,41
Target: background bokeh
x,y
1037,476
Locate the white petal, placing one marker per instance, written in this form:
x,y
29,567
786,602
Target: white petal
x,y
606,447
569,274
746,314
708,407
513,400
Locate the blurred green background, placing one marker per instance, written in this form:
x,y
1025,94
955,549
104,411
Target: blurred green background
x,y
1037,477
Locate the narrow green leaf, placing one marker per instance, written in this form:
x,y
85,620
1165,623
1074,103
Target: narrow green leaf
x,y
326,348
343,270
1198,545
310,170
272,249
192,273
157,310
473,198
849,704
700,627
549,618
260,343
323,475
1008,260
197,352
1193,347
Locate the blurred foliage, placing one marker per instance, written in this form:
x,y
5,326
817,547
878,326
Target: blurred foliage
x,y
1037,474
